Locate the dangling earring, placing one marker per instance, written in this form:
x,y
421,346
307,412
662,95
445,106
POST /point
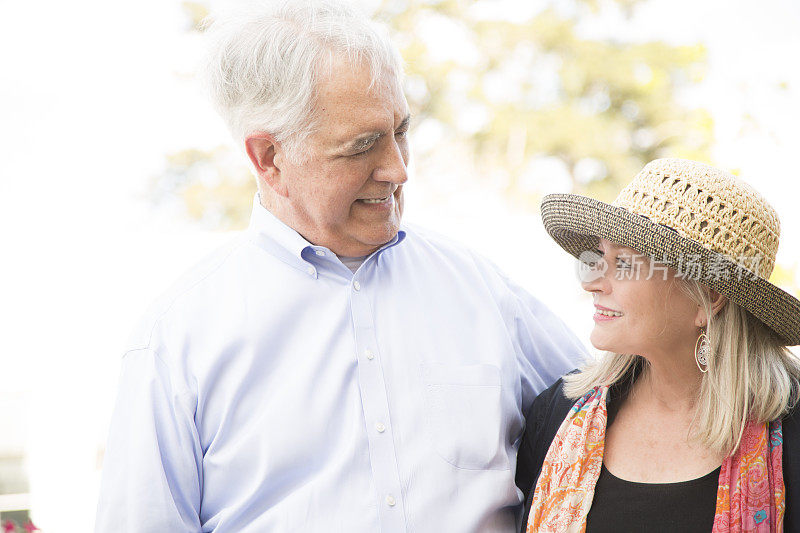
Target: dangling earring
x,y
702,351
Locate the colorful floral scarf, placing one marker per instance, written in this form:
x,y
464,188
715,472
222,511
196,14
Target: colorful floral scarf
x,y
750,497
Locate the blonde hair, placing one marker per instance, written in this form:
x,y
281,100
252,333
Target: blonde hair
x,y
751,374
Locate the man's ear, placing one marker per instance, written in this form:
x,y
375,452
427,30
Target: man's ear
x,y
261,149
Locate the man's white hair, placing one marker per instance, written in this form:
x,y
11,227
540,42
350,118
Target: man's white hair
x,y
264,62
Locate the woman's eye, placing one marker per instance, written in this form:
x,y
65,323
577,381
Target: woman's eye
x,y
623,263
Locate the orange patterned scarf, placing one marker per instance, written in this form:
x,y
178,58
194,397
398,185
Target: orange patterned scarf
x,y
751,494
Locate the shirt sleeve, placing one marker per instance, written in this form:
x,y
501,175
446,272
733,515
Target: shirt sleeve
x,y
548,348
151,478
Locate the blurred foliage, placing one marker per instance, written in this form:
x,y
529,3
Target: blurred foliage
x,y
196,13
211,186
786,277
540,91
523,97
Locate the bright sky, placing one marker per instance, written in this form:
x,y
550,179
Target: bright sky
x,y
94,93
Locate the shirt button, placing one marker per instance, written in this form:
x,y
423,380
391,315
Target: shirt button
x,y
311,271
390,501
319,252
357,286
370,355
380,427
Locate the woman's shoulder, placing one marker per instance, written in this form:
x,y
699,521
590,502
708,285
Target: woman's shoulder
x,y
545,416
790,428
541,425
551,401
542,421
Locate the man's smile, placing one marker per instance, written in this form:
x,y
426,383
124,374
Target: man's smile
x,y
385,199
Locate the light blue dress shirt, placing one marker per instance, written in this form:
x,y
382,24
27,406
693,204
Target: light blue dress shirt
x,y
274,390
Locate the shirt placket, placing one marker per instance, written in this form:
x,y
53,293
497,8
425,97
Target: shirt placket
x,y
375,405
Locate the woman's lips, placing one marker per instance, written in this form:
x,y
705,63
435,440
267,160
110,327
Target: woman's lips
x,y
604,314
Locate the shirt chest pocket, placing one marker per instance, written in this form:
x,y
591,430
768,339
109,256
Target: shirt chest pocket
x,y
464,415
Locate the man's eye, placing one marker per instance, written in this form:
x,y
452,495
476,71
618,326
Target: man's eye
x,y
623,263
402,133
362,151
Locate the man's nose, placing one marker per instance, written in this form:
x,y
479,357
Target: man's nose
x,y
393,167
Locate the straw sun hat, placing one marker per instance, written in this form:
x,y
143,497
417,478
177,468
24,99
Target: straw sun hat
x,y
703,222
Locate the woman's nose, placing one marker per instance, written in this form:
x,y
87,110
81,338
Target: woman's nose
x,y
592,273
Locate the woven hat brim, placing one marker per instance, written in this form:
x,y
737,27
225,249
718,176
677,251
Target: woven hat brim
x,y
577,222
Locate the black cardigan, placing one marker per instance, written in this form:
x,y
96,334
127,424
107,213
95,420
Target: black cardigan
x,y
550,408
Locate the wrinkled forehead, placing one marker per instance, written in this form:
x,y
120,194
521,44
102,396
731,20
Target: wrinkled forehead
x,y
351,93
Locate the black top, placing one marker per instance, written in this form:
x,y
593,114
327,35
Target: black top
x,y
551,407
620,505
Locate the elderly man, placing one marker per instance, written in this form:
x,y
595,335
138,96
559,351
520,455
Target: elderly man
x,y
332,369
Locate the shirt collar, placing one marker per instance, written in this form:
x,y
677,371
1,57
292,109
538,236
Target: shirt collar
x,y
270,233
397,239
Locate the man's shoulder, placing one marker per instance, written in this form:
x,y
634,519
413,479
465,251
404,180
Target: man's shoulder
x,y
456,258
448,249
424,236
189,290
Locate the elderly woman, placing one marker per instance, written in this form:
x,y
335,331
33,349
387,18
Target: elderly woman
x,y
687,423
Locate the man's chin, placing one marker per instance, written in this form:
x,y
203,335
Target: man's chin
x,y
374,240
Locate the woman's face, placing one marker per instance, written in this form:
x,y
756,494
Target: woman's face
x,y
637,315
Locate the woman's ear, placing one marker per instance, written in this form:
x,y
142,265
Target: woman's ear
x,y
718,301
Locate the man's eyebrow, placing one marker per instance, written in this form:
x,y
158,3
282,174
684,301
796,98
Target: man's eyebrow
x,y
364,140
404,124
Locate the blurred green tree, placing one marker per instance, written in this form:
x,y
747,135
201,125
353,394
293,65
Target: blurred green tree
x,y
516,98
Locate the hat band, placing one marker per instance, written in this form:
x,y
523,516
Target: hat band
x,y
714,237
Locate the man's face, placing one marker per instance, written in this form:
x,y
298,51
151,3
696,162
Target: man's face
x,y
347,194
